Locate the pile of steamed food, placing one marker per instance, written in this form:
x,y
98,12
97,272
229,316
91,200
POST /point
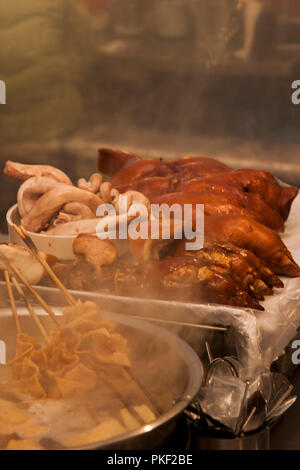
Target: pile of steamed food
x,y
73,391
243,253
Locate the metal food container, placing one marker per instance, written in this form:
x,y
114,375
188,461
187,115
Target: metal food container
x,y
258,440
174,386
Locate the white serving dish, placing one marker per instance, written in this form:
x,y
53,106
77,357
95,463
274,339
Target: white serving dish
x,y
56,245
59,246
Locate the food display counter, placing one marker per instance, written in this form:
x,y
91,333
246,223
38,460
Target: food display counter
x,y
149,224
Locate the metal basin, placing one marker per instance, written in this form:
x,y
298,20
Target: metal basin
x,y
165,365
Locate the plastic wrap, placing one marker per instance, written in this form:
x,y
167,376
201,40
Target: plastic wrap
x,y
279,323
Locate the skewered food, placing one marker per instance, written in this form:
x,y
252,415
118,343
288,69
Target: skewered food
x,y
24,261
65,364
85,364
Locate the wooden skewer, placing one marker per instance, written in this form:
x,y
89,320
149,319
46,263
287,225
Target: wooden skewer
x,y
19,357
181,323
35,317
34,250
119,393
248,419
45,335
208,350
99,369
154,407
84,402
28,305
30,309
32,247
12,301
33,291
17,320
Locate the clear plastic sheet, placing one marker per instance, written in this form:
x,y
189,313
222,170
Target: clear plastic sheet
x,y
226,403
279,323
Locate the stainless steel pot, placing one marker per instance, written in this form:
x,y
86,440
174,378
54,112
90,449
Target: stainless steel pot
x,y
258,440
162,361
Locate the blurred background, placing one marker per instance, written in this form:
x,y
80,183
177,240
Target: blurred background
x,y
161,78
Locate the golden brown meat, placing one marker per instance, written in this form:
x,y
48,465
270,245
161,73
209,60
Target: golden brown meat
x,y
214,204
135,170
241,231
183,278
190,167
249,234
126,168
111,161
235,264
262,183
287,196
151,186
251,201
265,273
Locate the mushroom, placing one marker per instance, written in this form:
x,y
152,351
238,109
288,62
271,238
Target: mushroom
x,y
95,252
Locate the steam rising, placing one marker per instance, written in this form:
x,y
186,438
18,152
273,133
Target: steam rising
x,y
62,420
